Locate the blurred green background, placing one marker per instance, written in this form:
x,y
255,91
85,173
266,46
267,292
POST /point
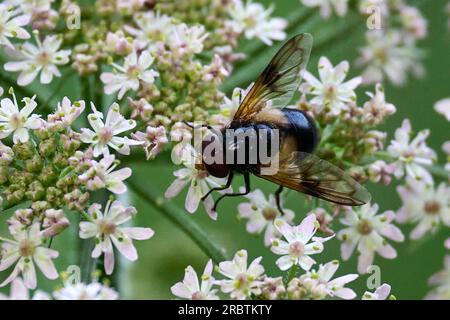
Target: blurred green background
x,y
162,259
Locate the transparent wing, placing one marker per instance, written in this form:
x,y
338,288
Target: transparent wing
x,y
309,174
279,80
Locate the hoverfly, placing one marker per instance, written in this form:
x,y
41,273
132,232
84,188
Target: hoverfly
x,y
263,109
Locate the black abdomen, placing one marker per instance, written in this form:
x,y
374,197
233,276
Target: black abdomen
x,y
303,128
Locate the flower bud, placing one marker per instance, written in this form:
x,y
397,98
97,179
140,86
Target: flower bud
x,y
47,147
36,191
76,200
14,195
48,175
6,155
60,161
54,222
23,151
39,207
53,194
34,164
4,173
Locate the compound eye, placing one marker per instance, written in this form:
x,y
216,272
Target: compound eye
x,y
217,170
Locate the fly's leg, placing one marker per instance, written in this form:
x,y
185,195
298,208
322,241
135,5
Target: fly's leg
x,y
247,191
226,186
278,199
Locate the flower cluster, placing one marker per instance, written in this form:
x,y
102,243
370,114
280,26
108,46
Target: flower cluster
x,y
145,71
77,291
349,131
48,171
391,49
161,64
241,280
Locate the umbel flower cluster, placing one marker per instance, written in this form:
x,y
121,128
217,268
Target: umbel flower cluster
x,y
142,69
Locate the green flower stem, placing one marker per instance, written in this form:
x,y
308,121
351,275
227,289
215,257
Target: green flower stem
x,y
292,272
182,220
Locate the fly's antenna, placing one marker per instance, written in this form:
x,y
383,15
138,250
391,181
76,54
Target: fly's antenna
x,y
190,125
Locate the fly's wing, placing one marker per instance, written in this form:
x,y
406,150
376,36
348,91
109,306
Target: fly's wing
x,y
309,174
279,80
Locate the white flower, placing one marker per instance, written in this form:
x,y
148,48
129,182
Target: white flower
x,y
200,182
28,6
261,213
411,155
43,58
447,243
18,122
425,205
105,227
327,6
413,21
381,293
20,292
26,250
388,53
243,280
11,23
6,155
191,289
101,175
66,113
297,248
128,76
54,222
377,109
254,21
380,171
118,43
152,27
185,40
320,285
365,231
81,291
443,107
154,138
441,282
127,7
105,133
180,132
140,109
272,288
331,93
216,71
